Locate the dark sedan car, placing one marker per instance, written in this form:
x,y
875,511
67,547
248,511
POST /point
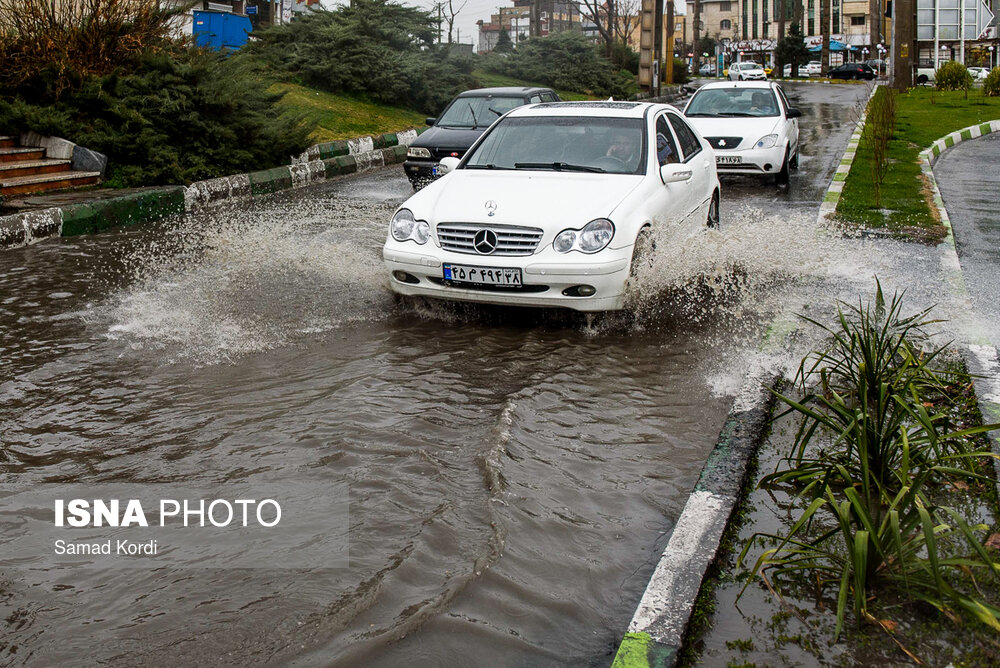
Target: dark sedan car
x,y
460,124
852,71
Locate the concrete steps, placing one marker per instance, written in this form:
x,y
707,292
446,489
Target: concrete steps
x,y
25,170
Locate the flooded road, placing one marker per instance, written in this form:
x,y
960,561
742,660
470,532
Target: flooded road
x,y
513,474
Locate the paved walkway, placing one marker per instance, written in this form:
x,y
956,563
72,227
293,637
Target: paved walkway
x,y
969,181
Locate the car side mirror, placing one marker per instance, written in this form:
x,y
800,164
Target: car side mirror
x,y
448,165
674,172
430,121
793,112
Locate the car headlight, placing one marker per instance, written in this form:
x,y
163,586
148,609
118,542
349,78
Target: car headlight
x,y
405,227
417,152
766,141
594,236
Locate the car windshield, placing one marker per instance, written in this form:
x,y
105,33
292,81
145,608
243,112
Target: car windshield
x,y
563,143
733,102
477,112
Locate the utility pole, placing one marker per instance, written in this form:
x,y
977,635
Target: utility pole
x,y
779,65
824,32
875,14
696,36
903,33
669,65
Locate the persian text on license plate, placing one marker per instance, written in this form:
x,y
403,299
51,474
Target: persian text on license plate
x,y
462,273
728,159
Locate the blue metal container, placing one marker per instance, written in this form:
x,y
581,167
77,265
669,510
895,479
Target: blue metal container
x,y
220,30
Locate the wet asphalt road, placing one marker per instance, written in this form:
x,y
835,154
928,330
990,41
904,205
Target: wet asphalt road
x,y
513,474
970,183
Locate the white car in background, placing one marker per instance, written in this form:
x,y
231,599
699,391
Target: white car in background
x,y
547,206
750,125
747,70
979,73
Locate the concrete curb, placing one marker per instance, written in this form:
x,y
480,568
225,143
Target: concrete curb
x,y
832,197
656,633
979,355
320,162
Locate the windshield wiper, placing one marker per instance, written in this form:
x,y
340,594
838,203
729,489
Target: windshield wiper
x,y
498,113
488,165
473,112
558,166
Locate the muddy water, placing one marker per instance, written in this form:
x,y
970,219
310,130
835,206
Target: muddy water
x,y
513,475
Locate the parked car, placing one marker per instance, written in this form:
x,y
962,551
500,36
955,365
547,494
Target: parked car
x,y
751,126
856,71
811,69
979,73
707,70
547,207
746,70
460,124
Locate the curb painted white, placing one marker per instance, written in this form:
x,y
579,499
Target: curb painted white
x,y
668,601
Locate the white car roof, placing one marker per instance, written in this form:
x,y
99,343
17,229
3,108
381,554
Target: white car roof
x,y
608,108
737,84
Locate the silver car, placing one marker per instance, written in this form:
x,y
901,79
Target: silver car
x,y
747,71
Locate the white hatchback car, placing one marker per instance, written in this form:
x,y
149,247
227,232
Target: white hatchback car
x,y
747,71
750,125
546,207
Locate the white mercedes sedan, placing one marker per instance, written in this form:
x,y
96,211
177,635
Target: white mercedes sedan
x,y
751,126
546,207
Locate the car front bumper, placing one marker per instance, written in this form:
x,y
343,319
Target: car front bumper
x,y
420,172
546,279
752,161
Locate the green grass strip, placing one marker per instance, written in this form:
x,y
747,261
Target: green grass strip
x,y
924,116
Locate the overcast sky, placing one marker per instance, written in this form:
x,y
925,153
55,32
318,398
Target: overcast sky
x,y
472,11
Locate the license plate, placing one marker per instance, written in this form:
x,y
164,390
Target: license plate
x,y
463,273
728,159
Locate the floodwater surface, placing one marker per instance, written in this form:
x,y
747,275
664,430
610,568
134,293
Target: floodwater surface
x,y
513,474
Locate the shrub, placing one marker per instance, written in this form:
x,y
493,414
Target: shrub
x,y
377,49
179,116
952,75
880,412
991,86
47,47
566,60
681,73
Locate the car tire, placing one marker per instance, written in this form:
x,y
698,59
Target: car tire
x,y
642,252
794,162
922,79
713,212
781,178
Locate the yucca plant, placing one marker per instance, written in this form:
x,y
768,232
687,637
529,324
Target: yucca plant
x,y
867,454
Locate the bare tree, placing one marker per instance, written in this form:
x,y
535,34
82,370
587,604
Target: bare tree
x,y
628,17
602,14
452,13
696,35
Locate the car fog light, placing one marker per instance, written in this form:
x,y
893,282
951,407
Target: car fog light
x,y
403,277
586,290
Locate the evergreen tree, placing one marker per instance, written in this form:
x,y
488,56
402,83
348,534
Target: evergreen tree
x,y
792,49
504,45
